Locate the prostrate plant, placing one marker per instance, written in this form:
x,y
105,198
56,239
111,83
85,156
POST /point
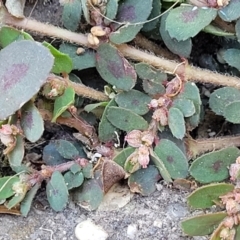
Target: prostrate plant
x,y
222,225
155,112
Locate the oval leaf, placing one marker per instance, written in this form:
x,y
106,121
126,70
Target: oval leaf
x,y
6,184
24,68
31,122
82,61
130,11
176,122
133,100
57,192
114,68
203,224
71,15
89,195
213,167
66,149
73,180
206,196
106,131
231,56
173,158
125,119
186,106
230,12
15,157
187,21
181,48
222,97
27,201
144,180
232,112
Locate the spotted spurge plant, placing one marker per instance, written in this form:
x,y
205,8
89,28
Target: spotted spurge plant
x,y
139,126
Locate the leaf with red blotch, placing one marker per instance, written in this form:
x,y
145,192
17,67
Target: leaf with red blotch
x,y
187,21
114,68
24,68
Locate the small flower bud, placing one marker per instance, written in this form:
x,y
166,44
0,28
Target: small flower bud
x,y
92,40
98,31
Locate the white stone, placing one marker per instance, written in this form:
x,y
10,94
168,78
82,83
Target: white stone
x,y
87,230
132,231
158,223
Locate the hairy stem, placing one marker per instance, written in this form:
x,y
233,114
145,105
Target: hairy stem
x,y
191,73
200,146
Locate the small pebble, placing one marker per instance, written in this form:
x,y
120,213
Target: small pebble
x,y
132,231
87,230
158,223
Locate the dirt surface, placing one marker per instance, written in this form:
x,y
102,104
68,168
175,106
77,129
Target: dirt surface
x,y
156,217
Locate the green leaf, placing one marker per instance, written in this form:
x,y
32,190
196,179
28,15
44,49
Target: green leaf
x,y
161,167
71,15
22,72
27,201
75,168
181,48
111,10
222,97
114,68
15,200
82,61
231,56
130,11
63,102
85,10
57,192
106,131
88,170
66,149
6,184
121,158
173,158
90,107
214,30
10,34
187,21
133,100
213,167
15,157
237,29
202,224
73,180
89,195
144,180
125,119
147,72
206,196
191,92
152,78
176,122
232,112
31,122
156,11
51,156
186,106
62,62
230,12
